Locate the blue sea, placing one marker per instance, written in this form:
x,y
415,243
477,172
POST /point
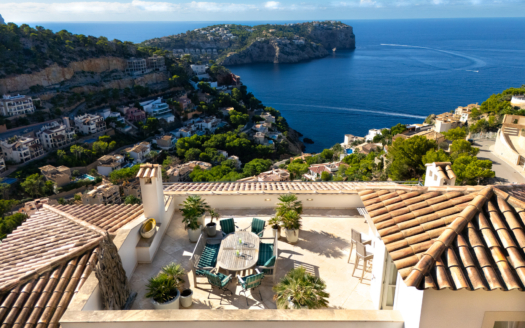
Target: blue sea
x,y
400,72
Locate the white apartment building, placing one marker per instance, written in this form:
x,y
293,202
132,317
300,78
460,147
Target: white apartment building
x,y
158,109
16,105
21,149
89,123
55,135
199,69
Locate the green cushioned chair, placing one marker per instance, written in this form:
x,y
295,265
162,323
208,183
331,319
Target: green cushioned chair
x,y
257,227
251,282
227,226
219,280
267,260
208,258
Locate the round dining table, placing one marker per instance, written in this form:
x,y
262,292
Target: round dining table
x,y
235,256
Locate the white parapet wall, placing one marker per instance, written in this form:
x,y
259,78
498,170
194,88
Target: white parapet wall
x,y
242,201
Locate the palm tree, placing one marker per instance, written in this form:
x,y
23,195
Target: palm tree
x,y
288,202
192,208
299,289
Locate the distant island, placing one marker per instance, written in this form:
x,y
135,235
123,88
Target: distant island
x,y
1,20
234,44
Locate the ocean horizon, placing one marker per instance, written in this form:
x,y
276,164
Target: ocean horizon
x,y
400,72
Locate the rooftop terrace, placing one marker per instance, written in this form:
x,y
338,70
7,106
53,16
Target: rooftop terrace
x,y
323,247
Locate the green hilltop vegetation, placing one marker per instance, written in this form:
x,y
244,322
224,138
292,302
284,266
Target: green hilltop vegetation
x,y
244,36
24,49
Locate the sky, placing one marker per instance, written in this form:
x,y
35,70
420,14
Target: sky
x,y
21,11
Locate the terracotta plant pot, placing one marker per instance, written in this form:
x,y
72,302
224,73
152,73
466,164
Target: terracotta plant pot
x,y
148,228
186,298
170,305
292,235
211,229
194,234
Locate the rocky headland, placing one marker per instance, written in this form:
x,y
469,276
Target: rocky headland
x,y
317,44
1,20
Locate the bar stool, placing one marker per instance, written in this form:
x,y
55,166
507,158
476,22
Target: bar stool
x,y
365,252
358,237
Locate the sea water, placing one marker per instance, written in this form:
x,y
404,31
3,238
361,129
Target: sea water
x,y
400,72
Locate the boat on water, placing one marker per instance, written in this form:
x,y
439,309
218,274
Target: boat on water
x,y
334,49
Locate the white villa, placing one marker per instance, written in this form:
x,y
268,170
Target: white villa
x,y
372,133
391,256
158,109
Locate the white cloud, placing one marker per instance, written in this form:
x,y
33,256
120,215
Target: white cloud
x,y
272,5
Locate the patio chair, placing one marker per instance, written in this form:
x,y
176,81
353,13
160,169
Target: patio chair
x,y
267,261
364,252
219,280
257,226
251,282
358,237
204,257
227,226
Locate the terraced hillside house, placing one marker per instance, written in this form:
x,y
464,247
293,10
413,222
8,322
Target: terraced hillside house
x,y
140,151
61,175
181,172
89,124
21,149
47,260
464,112
55,135
510,140
16,105
109,163
104,194
446,121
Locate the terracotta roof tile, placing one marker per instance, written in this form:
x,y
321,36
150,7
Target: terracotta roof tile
x,y
270,187
460,238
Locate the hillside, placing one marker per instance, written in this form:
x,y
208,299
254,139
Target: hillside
x,y
37,57
240,44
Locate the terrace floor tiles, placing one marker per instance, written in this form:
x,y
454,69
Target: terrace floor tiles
x,y
324,243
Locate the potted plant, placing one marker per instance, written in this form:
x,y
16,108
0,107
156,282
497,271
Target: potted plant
x,y
211,228
291,222
148,228
193,209
276,228
288,212
163,289
299,289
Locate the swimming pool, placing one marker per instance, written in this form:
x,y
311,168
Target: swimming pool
x,y
9,180
86,177
349,151
90,141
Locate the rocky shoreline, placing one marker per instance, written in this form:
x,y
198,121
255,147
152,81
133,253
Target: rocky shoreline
x,y
270,51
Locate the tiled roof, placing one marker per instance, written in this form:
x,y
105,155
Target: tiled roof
x,y
148,170
47,259
270,187
45,237
453,238
106,217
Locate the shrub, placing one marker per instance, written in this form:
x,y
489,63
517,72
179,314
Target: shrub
x,y
299,288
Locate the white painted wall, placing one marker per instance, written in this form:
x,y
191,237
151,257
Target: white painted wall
x,y
153,197
378,271
463,308
408,301
104,170
259,201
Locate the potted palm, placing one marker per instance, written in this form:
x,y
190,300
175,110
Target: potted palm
x,y
291,222
211,228
299,289
193,209
288,212
163,289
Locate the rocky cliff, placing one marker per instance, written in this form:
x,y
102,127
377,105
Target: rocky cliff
x,y
1,20
54,75
270,51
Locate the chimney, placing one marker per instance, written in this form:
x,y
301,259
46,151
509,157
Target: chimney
x,y
439,174
150,176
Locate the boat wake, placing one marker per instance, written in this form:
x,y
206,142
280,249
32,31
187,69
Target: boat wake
x,y
477,63
355,110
